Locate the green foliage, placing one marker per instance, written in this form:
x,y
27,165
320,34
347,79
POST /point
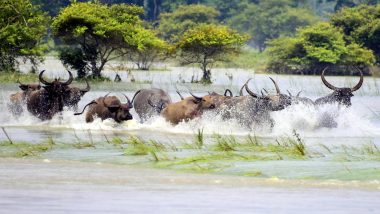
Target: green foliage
x,y
313,48
150,49
271,19
208,43
360,25
98,33
22,30
174,24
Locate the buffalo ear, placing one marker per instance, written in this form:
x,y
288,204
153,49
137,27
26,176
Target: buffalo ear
x,y
113,108
23,87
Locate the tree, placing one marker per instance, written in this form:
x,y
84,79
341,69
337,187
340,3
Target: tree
x,y
360,25
98,33
208,43
271,19
152,48
23,28
174,24
314,48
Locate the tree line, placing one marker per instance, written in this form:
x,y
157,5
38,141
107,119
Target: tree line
x,y
88,34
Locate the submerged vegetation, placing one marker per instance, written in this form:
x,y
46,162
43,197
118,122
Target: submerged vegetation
x,y
222,154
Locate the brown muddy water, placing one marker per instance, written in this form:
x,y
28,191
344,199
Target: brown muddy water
x,y
85,170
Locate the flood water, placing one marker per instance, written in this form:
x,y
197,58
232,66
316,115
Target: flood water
x,y
102,179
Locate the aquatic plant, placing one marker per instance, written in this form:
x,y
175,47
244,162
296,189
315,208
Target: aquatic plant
x,y
199,140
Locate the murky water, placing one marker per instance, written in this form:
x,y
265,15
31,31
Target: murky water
x,y
104,180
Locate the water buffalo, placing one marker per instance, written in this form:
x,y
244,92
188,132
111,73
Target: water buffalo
x,y
158,99
48,101
340,95
184,110
300,100
253,111
74,95
214,100
108,107
18,99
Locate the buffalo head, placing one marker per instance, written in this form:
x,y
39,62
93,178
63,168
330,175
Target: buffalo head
x,y
274,102
340,95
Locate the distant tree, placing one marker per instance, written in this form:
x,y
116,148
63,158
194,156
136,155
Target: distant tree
x,y
271,19
207,44
22,30
98,33
174,24
313,48
360,25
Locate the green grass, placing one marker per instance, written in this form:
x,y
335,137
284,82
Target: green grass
x,y
13,77
222,154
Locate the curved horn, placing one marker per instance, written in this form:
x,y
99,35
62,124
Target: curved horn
x,y
290,94
298,94
327,84
198,98
249,90
92,102
275,84
87,89
133,98
68,82
360,83
129,101
42,79
241,89
228,91
180,95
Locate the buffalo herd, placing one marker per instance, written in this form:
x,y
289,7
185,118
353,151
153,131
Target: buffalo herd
x,y
48,98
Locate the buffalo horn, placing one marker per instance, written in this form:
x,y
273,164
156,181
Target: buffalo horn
x,y
275,85
129,101
92,102
180,95
133,98
360,83
327,84
228,91
198,98
68,82
249,90
42,79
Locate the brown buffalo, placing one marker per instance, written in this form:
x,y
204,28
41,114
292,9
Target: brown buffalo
x,y
18,99
48,101
184,110
108,107
340,95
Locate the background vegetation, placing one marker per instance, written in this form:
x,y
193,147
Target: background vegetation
x,y
288,36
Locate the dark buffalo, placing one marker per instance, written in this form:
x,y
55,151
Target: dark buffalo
x,y
150,102
74,95
108,107
253,111
49,100
18,99
340,95
301,100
